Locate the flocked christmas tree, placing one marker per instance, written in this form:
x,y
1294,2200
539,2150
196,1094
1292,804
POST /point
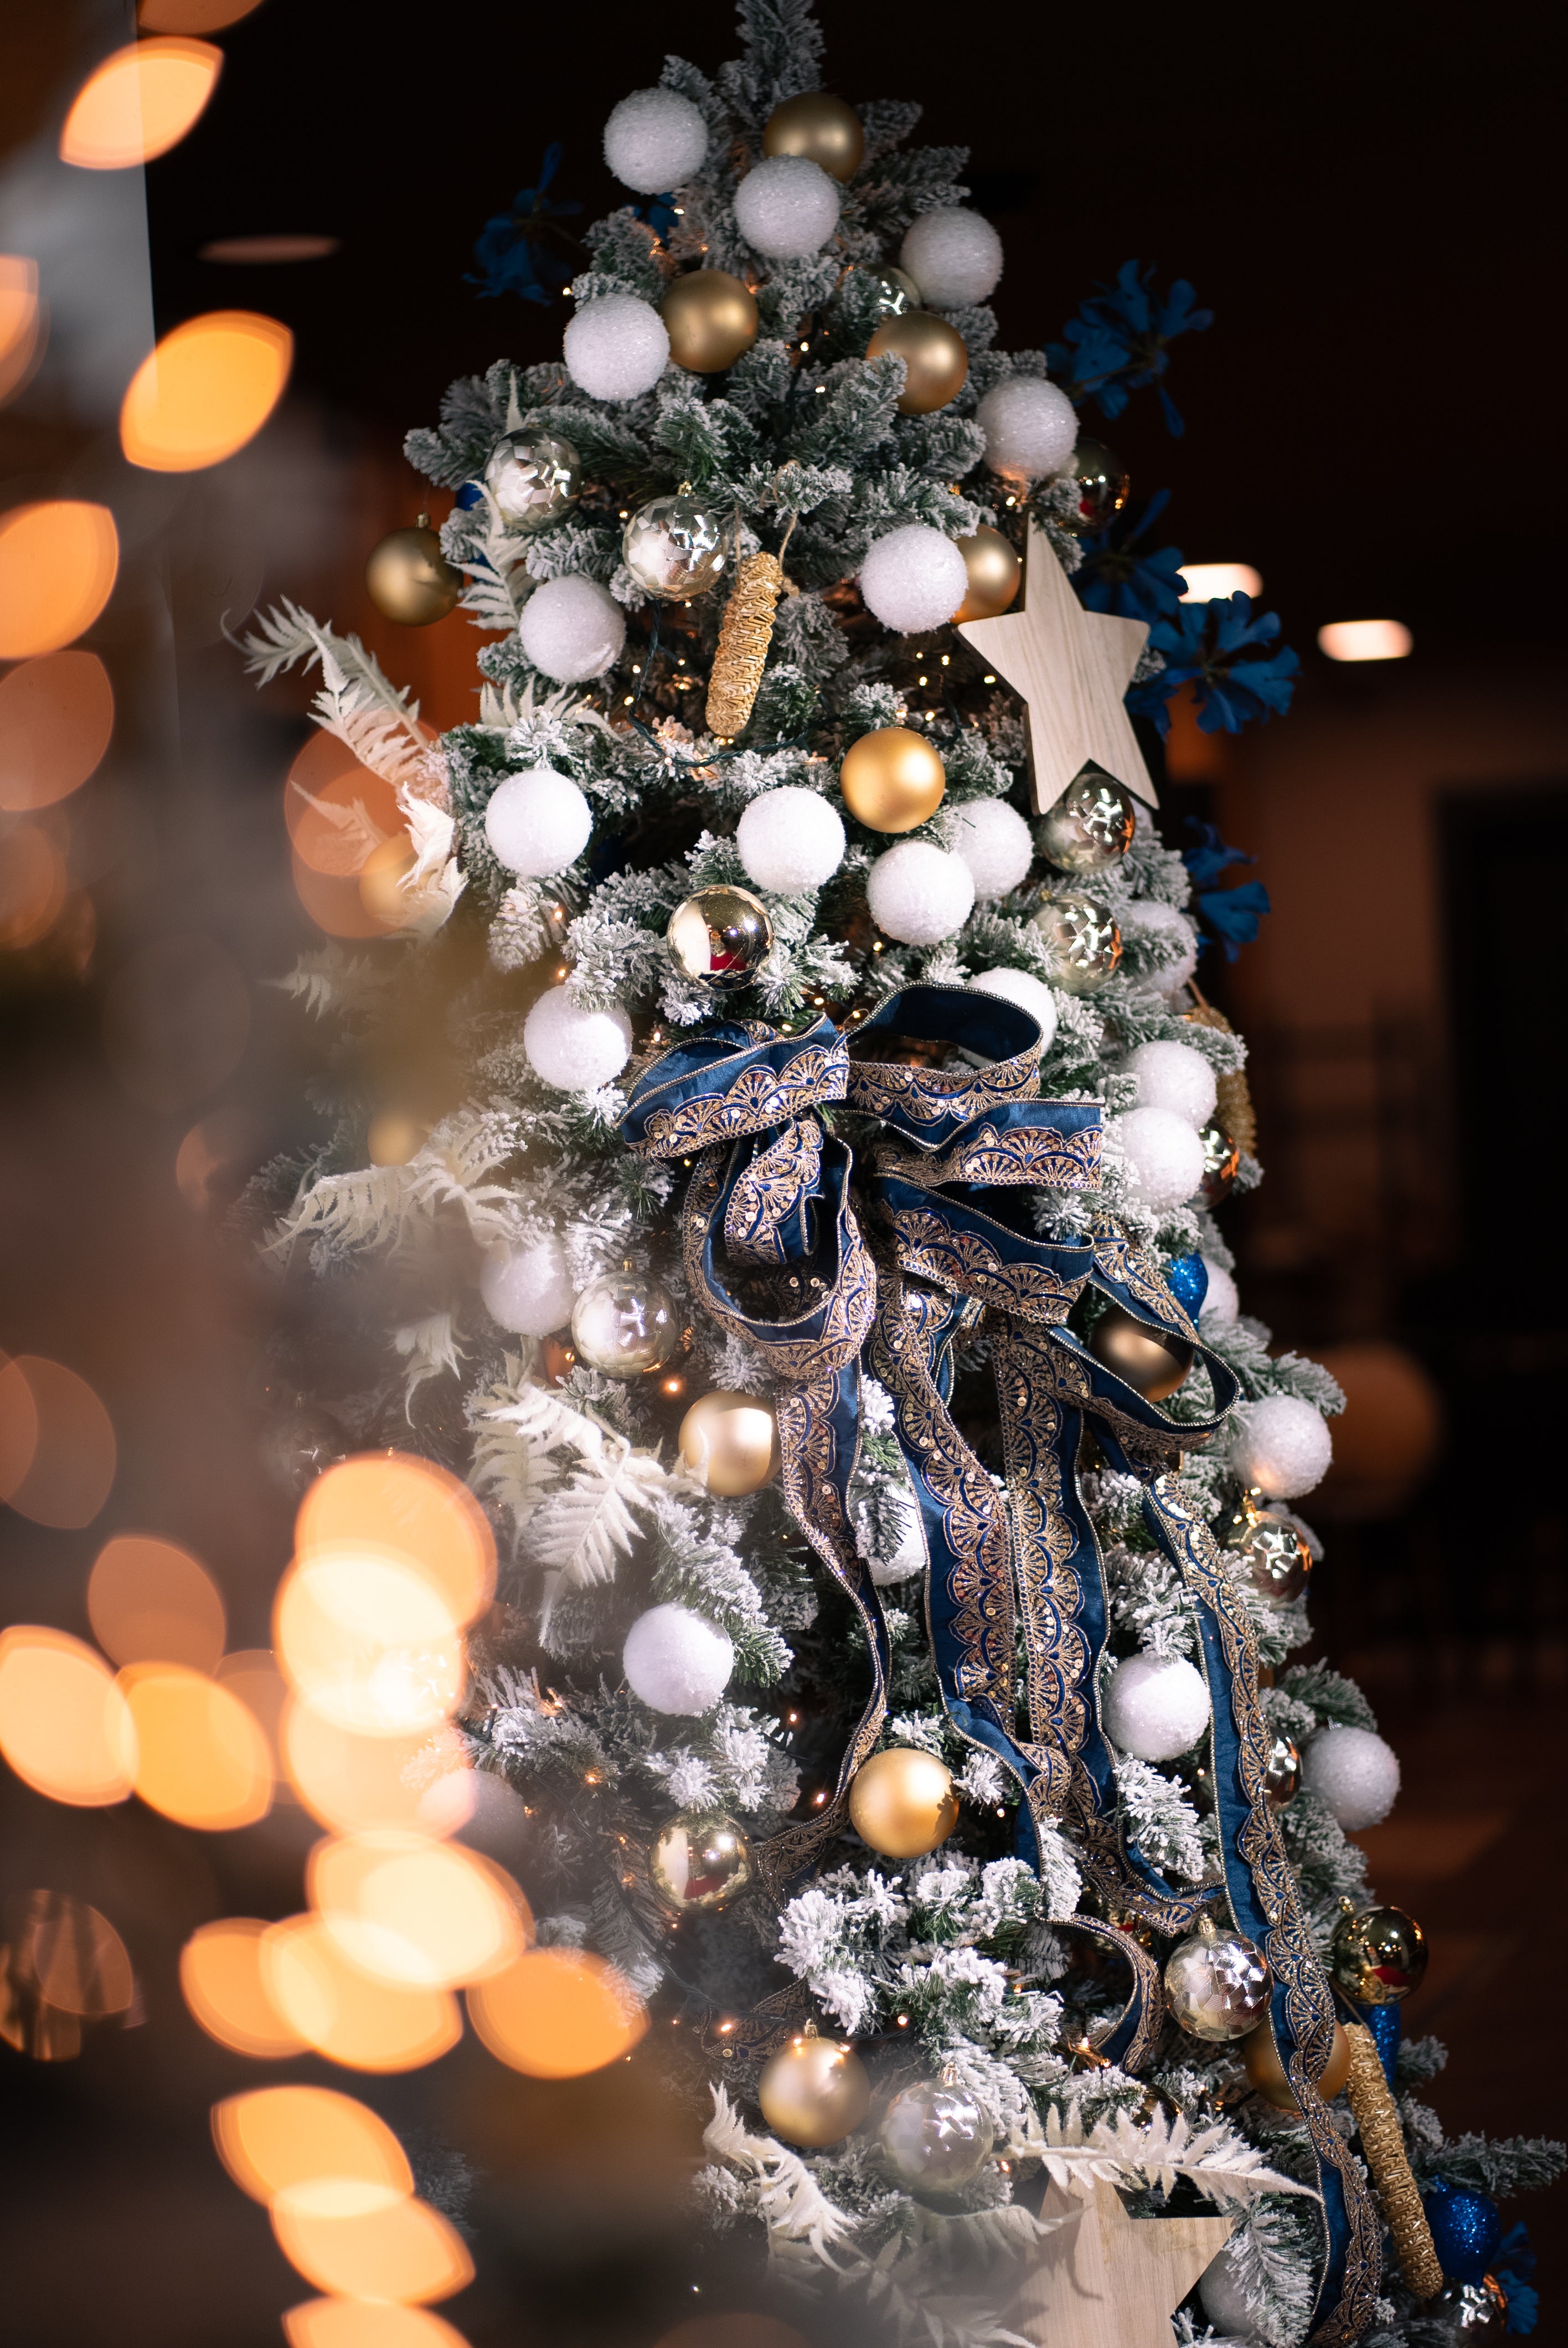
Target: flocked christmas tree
x,y
814,1273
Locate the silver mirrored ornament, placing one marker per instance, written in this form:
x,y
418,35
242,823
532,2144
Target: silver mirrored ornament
x,y
675,547
1081,940
1281,1774
897,291
1467,2312
721,936
1221,1163
1217,1983
625,1325
1274,1555
1103,486
700,1862
1091,826
935,2138
533,478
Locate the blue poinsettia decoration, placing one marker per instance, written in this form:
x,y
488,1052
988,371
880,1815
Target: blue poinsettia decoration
x,y
1228,657
1120,340
1514,2262
525,250
1232,914
1117,574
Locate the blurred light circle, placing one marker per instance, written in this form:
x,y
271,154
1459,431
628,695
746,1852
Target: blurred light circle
x,y
350,1782
70,1466
251,1674
176,1020
152,1603
558,2012
368,1642
334,905
64,1727
336,810
18,1426
368,2242
56,717
253,251
277,2137
202,1755
57,567
24,323
139,103
33,885
393,1138
1366,640
361,2323
1210,582
363,2024
392,1504
410,1909
212,1159
205,391
67,1954
220,1977
191,15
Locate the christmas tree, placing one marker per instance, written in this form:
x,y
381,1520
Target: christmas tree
x,y
814,1270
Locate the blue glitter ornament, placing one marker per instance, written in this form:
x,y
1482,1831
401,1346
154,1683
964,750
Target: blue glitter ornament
x,y
1383,2022
1187,1278
1467,2227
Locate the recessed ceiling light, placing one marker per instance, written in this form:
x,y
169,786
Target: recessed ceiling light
x,y
1204,582
1365,640
250,250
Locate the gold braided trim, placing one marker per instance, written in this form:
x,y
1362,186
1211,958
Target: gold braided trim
x,y
1234,1103
1383,2142
744,642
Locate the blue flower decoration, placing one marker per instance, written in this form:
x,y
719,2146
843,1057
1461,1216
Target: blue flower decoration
x,y
1514,2262
514,252
1120,341
1233,914
1227,657
1114,576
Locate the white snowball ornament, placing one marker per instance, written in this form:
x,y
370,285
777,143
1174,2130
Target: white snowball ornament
x,y
996,844
1147,918
907,1555
1355,1772
787,207
1225,2302
914,579
572,1048
1030,428
918,893
1282,1446
1156,1706
677,1661
654,140
1221,1297
790,840
538,823
529,1289
955,257
1164,1156
1174,1076
616,348
572,629
1031,994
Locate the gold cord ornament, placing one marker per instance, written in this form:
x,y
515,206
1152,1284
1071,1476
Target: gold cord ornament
x,y
743,641
1383,2142
1234,1103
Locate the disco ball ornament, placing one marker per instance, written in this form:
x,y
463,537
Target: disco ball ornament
x,y
721,936
1274,1555
1221,1163
625,1326
1281,1774
533,479
409,578
1217,1983
1091,826
675,548
1154,1364
935,2138
1466,2312
700,1862
1103,486
815,2091
1378,1955
1081,941
1267,2073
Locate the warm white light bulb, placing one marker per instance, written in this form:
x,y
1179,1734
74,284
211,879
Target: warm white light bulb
x,y
1365,640
1206,581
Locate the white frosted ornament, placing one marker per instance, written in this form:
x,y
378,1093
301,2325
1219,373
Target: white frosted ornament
x,y
787,207
572,629
1174,1076
529,1289
1355,1772
1156,1706
1031,994
1221,1297
538,823
1164,1154
1282,1446
996,844
1225,2302
573,1048
677,1661
1147,918
907,1553
654,139
616,348
918,893
790,840
1030,428
955,257
914,579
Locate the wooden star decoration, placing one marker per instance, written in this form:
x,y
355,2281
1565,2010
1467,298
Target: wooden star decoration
x,y
1105,2280
1073,668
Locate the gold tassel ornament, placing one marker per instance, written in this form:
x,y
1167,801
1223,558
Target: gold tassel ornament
x,y
1383,2143
743,641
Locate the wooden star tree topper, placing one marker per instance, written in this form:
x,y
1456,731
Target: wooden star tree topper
x,y
1105,2280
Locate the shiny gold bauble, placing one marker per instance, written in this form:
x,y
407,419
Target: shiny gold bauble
x,y
1266,2071
1221,1163
902,1802
410,579
814,2091
1274,1555
1153,1365
730,1443
821,127
1377,1956
934,354
700,1862
892,779
722,935
1281,1774
1103,486
1081,940
711,319
994,572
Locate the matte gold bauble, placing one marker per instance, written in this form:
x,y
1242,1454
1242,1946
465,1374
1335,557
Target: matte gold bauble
x,y
711,319
994,572
730,1443
1266,2071
700,1863
1153,1364
815,2091
1221,1163
821,127
902,1802
934,354
1379,1955
409,578
892,779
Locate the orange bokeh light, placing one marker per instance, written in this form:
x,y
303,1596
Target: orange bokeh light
x,y
202,1755
22,321
34,886
212,1162
276,2138
139,103
361,2323
558,2012
391,1504
367,2242
336,810
151,1603
351,1782
64,1727
57,715
67,1955
412,1910
66,1471
191,15
220,1976
365,2025
57,566
205,391
252,1675
368,1642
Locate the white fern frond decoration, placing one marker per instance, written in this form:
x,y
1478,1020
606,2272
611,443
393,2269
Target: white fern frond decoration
x,y
352,834
1119,2150
357,702
429,1347
331,979
527,1440
792,2204
580,1530
375,1206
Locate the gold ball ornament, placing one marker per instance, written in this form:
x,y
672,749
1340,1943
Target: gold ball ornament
x,y
1379,1955
815,2091
700,1862
721,936
935,357
409,578
821,127
902,1803
892,779
1153,1364
994,572
624,1327
1221,1163
730,1443
1266,2071
711,319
